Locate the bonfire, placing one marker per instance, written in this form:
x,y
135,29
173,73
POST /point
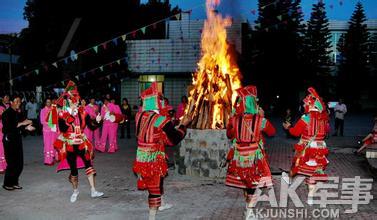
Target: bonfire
x,y
217,77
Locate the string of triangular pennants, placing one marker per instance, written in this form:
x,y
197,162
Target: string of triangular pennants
x,y
74,55
93,70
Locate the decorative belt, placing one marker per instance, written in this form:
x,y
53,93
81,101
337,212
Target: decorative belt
x,y
314,144
149,147
246,147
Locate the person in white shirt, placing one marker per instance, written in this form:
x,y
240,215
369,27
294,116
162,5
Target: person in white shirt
x,y
32,113
340,111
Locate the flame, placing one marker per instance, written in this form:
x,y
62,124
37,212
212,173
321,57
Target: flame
x,y
217,77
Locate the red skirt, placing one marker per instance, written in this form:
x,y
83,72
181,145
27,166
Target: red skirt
x,y
150,174
310,162
257,175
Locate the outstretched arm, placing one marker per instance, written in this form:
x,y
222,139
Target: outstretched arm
x,y
298,129
268,128
174,135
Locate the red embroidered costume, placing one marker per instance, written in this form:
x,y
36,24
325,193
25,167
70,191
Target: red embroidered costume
x,y
154,131
72,142
248,166
311,151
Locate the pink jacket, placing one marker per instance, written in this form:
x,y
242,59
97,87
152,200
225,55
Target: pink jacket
x,y
91,110
43,118
2,109
111,108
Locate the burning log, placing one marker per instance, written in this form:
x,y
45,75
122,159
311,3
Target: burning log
x,y
217,77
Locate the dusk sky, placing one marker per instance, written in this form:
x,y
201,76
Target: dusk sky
x,y
11,11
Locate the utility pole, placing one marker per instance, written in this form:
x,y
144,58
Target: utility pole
x,y
8,44
10,69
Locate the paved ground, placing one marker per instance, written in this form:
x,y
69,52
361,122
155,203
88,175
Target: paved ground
x,y
46,193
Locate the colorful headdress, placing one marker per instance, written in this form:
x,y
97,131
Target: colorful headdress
x,y
152,98
312,102
246,101
71,93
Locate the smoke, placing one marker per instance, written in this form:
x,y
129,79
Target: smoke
x,y
231,8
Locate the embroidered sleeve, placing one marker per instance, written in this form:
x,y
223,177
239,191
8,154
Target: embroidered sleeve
x,y
300,126
174,135
268,128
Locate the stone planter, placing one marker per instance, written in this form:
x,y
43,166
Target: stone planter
x,y
202,152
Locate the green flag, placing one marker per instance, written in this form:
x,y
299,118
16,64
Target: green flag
x,y
95,48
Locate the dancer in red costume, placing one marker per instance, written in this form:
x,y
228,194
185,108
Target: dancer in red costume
x,y
154,131
72,142
311,151
248,166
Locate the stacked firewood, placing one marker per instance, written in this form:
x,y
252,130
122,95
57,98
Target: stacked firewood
x,y
210,101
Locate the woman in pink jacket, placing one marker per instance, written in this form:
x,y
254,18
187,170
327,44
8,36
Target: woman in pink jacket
x,y
49,131
109,129
3,163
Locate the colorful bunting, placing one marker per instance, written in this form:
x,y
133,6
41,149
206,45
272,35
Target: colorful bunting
x,y
115,41
73,55
95,48
104,45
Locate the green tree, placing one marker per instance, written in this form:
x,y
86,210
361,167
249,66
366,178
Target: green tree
x,y
318,48
278,45
353,71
